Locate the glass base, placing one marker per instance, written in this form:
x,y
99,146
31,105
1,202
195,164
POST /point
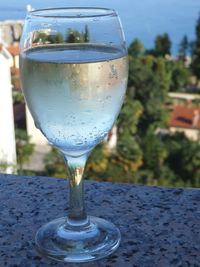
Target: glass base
x,y
65,242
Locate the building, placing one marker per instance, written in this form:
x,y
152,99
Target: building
x,y
7,134
10,31
179,98
14,51
185,119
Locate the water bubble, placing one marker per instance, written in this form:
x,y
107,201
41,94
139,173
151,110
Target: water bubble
x,y
79,143
88,111
46,25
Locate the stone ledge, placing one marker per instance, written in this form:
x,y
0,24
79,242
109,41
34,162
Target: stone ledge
x,y
159,226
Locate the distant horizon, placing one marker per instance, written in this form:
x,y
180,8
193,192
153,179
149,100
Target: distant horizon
x,y
142,19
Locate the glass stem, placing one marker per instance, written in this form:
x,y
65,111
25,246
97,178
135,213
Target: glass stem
x,y
77,213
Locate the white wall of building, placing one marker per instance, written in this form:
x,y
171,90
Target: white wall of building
x,y
7,134
192,134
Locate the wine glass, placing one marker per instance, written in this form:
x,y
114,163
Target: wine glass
x,y
73,67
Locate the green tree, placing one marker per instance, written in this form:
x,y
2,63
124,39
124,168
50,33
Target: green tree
x,y
86,34
195,66
43,37
155,153
191,163
55,38
74,36
183,159
97,165
129,152
54,164
162,45
136,48
39,37
120,165
184,47
23,147
150,81
180,76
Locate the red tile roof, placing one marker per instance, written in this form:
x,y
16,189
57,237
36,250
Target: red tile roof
x,y
185,117
13,49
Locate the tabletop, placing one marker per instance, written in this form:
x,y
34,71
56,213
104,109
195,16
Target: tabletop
x,y
159,226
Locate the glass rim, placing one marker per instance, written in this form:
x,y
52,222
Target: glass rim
x,y
76,12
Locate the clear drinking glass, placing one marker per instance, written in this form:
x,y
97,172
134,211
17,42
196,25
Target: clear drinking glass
x,y
73,65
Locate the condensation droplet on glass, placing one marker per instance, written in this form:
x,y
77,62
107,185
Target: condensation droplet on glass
x,y
88,111
79,143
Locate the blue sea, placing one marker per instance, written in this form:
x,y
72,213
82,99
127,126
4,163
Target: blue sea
x,y
142,19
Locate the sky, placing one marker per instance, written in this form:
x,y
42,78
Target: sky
x,y
141,19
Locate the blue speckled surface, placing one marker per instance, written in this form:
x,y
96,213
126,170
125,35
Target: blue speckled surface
x,y
160,227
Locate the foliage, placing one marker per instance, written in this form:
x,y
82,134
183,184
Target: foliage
x,y
54,164
119,166
196,52
43,37
23,147
128,149
180,76
136,48
74,36
162,45
155,152
55,38
4,165
86,34
142,155
98,163
184,48
18,97
149,78
183,159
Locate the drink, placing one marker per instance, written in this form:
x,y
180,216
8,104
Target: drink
x,y
74,92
